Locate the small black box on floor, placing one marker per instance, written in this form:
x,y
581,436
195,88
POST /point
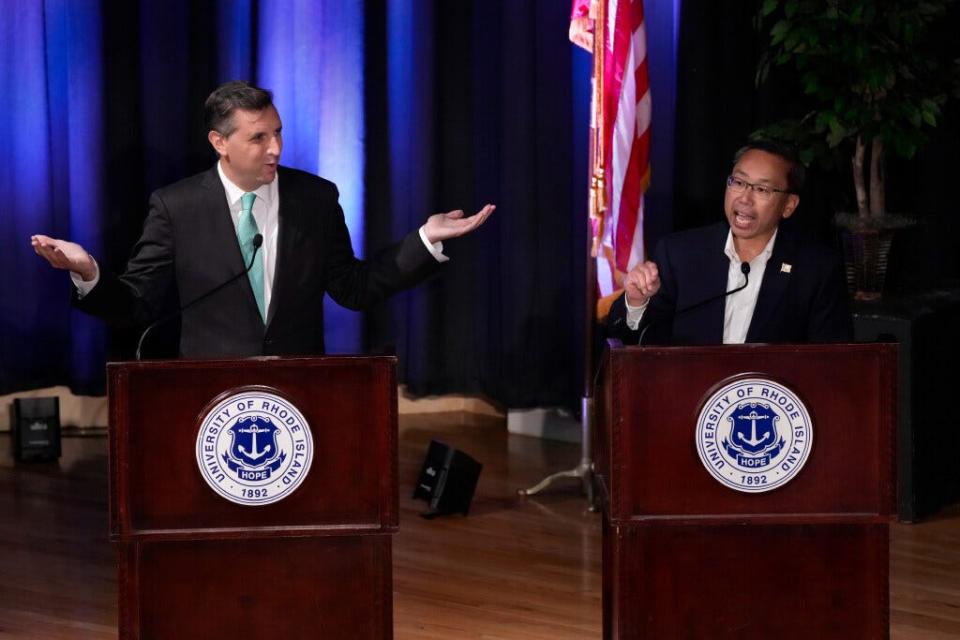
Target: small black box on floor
x,y
447,480
35,426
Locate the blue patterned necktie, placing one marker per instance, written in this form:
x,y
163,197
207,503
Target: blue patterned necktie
x,y
246,231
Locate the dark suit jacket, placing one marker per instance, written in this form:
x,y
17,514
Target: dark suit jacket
x,y
189,242
808,303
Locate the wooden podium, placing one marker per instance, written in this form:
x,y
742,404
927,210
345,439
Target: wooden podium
x,y
194,564
687,556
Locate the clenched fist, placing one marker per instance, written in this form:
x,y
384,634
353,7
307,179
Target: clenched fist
x,y
641,283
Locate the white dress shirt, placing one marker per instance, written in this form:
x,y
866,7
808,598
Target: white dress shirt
x,y
740,305
266,209
738,311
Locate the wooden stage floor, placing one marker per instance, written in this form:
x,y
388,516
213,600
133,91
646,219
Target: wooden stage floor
x,y
514,569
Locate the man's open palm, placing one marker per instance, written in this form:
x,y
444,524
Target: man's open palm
x,y
63,254
443,226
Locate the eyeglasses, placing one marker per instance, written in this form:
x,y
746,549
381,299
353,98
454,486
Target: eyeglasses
x,y
762,192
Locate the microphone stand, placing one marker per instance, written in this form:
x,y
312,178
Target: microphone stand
x,y
584,472
744,269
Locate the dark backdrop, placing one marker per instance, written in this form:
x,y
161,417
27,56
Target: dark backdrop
x,y
718,106
506,317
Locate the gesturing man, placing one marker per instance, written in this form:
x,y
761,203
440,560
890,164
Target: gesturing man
x,y
249,211
789,288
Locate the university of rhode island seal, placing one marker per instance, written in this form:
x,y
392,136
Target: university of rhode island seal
x,y
254,447
754,435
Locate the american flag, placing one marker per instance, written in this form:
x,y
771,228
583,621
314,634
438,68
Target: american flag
x,y
623,164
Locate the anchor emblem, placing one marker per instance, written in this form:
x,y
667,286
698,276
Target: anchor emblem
x,y
753,440
753,428
253,454
254,441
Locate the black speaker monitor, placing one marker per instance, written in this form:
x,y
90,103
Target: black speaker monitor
x,y
447,480
36,428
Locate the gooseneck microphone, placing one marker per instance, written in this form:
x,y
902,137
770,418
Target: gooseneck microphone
x,y
744,269
257,243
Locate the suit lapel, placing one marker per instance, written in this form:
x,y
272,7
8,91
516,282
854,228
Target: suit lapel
x,y
715,281
776,278
287,239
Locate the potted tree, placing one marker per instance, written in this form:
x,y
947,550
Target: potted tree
x,y
877,85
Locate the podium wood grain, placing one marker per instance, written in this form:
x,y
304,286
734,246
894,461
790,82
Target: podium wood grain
x,y
687,557
315,564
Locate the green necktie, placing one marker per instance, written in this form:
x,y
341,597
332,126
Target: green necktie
x,y
246,230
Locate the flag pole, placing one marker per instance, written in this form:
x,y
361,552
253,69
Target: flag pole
x,y
597,203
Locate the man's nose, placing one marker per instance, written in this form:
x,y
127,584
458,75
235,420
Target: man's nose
x,y
747,195
275,146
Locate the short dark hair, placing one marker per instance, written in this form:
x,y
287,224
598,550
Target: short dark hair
x,y
227,98
796,174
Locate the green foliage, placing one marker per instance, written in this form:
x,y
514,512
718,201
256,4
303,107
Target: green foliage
x,y
868,66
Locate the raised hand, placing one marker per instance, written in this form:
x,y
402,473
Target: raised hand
x,y
63,254
443,226
641,283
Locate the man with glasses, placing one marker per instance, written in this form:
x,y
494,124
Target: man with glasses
x,y
747,279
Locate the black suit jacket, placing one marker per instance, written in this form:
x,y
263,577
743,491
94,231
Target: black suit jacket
x,y
802,296
189,242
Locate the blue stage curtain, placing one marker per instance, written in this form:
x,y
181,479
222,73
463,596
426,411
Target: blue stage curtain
x,y
485,102
311,55
106,105
50,182
411,106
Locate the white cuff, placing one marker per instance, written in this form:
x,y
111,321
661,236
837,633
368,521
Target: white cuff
x,y
435,249
634,314
85,286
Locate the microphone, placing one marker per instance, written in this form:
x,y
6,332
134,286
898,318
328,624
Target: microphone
x,y
257,243
744,269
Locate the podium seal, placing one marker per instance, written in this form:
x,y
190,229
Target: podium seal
x,y
754,435
254,447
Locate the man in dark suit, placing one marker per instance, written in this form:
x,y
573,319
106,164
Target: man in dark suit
x,y
285,227
794,289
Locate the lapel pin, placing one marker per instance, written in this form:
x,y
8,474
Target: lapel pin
x,y
785,267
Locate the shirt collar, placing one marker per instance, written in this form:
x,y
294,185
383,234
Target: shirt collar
x,y
764,255
266,192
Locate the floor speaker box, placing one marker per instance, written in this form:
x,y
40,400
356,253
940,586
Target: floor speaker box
x,y
36,429
447,480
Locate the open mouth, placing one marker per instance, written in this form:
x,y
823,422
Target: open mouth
x,y
741,219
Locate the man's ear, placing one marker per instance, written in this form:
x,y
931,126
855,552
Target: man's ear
x,y
218,141
793,201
